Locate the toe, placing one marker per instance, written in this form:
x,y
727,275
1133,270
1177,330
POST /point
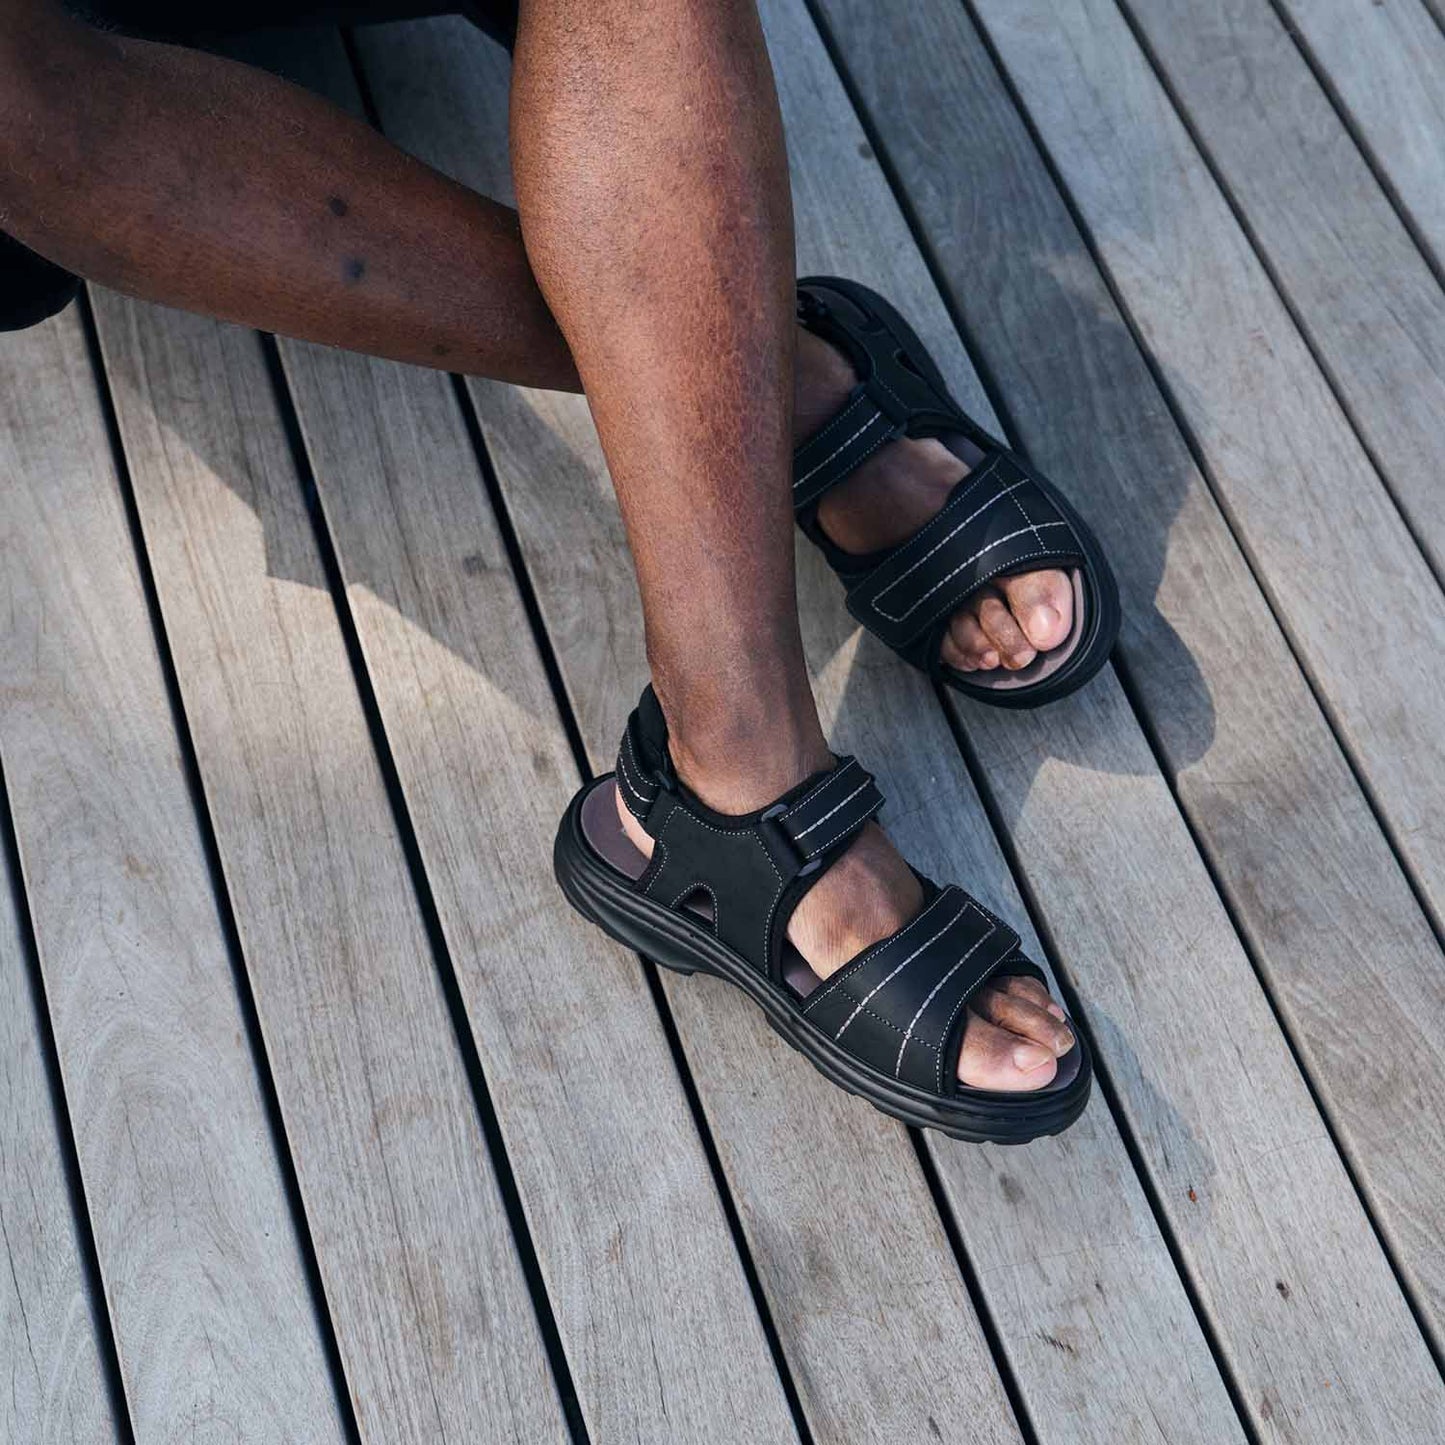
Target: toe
x,y
1002,629
1042,604
1034,991
1026,1013
966,646
994,1058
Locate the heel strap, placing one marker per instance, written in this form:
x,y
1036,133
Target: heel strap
x,y
755,868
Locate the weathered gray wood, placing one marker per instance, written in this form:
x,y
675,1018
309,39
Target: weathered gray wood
x,y
652,1304
1359,287
1262,781
1193,1054
1324,540
202,1272
52,1387
651,1301
1386,63
862,1328
432,1315
1210,1090
1096,1325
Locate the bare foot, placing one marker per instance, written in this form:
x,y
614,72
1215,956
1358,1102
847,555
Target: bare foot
x,y
899,488
1015,1032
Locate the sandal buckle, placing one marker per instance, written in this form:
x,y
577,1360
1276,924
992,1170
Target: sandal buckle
x,y
779,843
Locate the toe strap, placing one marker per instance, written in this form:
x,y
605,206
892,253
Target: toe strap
x,y
899,1006
998,520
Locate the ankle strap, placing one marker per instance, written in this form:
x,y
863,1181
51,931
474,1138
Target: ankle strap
x,y
754,868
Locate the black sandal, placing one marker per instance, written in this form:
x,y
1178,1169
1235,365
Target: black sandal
x,y
717,895
1003,517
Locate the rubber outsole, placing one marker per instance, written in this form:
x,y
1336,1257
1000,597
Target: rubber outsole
x,y
606,897
1104,611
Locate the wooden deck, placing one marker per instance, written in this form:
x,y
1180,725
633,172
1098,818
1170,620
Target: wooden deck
x,y
303,654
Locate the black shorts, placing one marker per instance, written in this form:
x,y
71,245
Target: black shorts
x,y
32,288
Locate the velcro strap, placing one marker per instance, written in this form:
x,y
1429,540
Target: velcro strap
x,y
639,788
898,1005
997,520
833,810
831,454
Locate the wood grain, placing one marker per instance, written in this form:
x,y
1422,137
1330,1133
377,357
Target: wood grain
x,y
1386,63
862,1328
1210,1090
651,1300
206,1289
432,1315
1358,286
1321,535
1084,1319
1264,785
52,1386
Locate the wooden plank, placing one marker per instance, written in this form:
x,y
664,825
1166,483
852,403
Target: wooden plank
x,y
1358,286
863,1350
206,1288
1098,1330
432,1315
1386,63
1266,788
1129,905
652,1304
52,1384
1242,1170
1298,488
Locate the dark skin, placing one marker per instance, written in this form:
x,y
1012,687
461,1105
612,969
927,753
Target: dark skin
x,y
651,264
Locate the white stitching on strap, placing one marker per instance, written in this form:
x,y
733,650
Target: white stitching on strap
x,y
819,849
876,417
932,993
837,422
899,969
849,969
627,783
828,779
803,832
881,440
942,581
948,536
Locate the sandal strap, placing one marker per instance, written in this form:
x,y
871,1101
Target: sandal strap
x,y
870,417
900,1006
997,520
833,809
754,869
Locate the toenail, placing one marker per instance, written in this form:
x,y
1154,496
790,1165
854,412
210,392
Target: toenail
x,y
989,659
1028,1057
1057,1012
1043,619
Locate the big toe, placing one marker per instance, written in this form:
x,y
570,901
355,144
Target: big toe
x,y
1043,605
994,1058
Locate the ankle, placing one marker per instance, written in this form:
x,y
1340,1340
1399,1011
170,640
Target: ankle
x,y
823,377
744,759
